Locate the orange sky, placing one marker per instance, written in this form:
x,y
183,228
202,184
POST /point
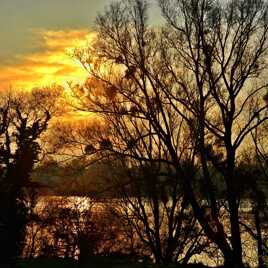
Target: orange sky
x,y
50,65
35,35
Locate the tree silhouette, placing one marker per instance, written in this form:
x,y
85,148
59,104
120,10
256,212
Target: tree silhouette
x,y
24,118
206,66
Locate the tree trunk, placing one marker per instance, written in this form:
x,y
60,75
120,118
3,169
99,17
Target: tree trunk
x,y
237,260
235,231
259,235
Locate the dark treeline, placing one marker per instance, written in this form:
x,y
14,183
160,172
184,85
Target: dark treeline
x,y
176,155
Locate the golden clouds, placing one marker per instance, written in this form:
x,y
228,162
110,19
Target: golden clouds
x,y
51,65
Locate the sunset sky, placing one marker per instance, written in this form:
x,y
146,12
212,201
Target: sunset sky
x,y
35,38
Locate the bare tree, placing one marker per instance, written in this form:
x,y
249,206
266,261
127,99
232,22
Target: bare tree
x,y
206,67
136,171
258,168
224,49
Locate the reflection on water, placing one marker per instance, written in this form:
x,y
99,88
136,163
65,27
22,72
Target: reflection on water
x,y
76,227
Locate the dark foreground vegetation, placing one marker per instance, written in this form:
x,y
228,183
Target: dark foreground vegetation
x,y
98,263
170,164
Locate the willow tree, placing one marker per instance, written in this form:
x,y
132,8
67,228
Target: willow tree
x,y
206,66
